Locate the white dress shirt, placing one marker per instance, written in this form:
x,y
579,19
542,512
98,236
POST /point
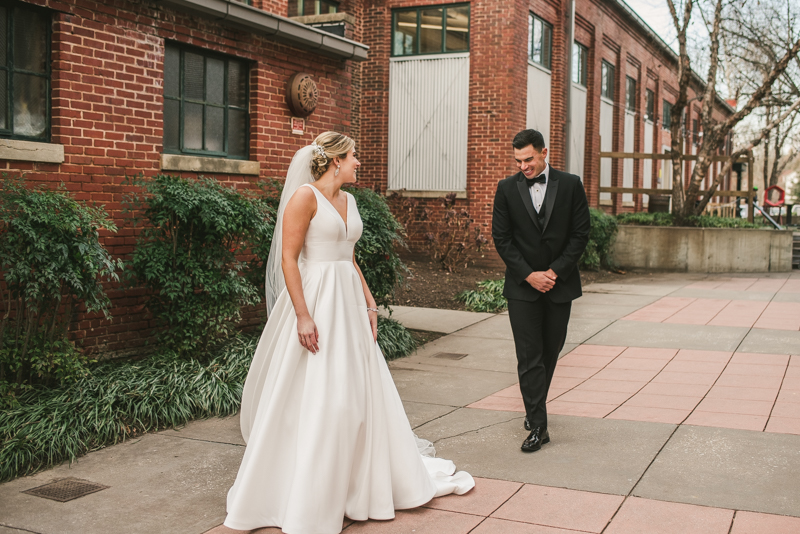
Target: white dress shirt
x,y
538,190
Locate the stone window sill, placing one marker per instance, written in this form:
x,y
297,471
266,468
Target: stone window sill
x,y
426,194
175,162
15,150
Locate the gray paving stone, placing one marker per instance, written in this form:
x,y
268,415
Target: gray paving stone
x,y
786,297
602,455
581,310
464,420
482,353
771,341
216,429
157,484
671,336
646,288
447,386
497,327
737,469
6,530
435,320
580,330
420,413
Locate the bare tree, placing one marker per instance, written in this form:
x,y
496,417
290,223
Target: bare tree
x,y
715,134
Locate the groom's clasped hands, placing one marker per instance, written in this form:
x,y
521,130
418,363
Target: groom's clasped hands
x,y
542,280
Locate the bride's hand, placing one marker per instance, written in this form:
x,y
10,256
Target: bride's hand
x,y
307,333
373,322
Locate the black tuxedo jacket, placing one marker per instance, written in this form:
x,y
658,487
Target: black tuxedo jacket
x,y
527,244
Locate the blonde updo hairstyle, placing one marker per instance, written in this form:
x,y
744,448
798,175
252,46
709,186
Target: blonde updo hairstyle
x,y
335,145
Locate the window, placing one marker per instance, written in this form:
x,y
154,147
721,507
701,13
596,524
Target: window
x,y
667,122
607,80
205,104
430,30
312,7
540,41
24,74
650,105
696,131
630,94
580,55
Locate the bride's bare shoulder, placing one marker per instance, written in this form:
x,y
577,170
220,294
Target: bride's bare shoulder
x,y
303,201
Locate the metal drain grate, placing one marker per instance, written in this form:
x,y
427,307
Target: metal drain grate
x,y
65,489
449,355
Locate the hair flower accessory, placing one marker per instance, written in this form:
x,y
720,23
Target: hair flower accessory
x,y
318,150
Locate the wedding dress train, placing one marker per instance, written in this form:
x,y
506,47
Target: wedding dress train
x,y
326,433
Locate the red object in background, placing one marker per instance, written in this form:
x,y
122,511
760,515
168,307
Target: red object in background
x,y
770,193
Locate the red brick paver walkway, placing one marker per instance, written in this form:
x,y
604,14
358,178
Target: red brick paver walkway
x,y
707,388
501,507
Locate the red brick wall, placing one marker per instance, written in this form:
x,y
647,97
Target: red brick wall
x,y
107,78
498,72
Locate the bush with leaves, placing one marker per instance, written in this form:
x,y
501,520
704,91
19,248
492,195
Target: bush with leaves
x,y
376,251
601,236
51,262
201,254
487,298
453,236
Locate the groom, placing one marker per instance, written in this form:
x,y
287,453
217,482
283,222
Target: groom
x,y
540,227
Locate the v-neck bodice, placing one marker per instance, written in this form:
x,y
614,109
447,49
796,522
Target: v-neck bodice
x,y
329,236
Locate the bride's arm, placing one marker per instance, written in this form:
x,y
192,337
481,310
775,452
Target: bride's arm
x,y
373,315
299,212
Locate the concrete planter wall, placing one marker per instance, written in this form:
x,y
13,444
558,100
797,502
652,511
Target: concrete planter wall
x,y
703,250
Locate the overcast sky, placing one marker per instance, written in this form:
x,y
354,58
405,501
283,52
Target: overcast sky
x,y
656,14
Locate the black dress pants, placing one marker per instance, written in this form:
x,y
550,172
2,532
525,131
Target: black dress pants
x,y
540,330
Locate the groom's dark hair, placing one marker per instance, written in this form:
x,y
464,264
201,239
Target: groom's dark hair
x,y
528,137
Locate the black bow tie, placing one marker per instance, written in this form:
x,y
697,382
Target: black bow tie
x,y
541,179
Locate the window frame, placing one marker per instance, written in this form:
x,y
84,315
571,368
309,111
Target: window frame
x,y
606,69
666,115
532,19
650,105
583,74
226,106
9,70
419,10
630,94
301,7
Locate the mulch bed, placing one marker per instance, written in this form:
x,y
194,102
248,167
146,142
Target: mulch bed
x,y
429,286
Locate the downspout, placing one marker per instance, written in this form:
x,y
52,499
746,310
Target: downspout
x,y
568,98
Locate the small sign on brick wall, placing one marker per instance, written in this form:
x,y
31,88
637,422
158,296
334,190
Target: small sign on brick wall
x,y
298,125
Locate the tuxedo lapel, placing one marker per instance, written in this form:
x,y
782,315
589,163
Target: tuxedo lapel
x,y
525,195
550,197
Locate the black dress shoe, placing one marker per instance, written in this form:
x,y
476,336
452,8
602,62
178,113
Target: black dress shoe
x,y
527,424
536,439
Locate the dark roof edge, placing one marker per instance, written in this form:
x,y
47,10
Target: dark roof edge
x,y
661,43
255,20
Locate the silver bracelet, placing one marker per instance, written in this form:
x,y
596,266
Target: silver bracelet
x,y
372,309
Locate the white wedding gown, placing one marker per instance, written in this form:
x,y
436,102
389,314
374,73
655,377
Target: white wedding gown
x,y
326,433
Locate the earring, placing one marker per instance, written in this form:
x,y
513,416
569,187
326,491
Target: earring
x,y
337,170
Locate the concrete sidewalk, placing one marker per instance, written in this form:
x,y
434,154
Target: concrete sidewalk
x,y
675,408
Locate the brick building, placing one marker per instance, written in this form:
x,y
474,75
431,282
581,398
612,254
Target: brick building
x,y
446,86
96,90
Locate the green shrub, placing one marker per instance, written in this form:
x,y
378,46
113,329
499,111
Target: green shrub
x,y
601,237
697,221
376,250
118,400
51,261
487,298
395,341
202,255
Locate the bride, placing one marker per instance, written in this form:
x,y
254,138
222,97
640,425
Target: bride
x,y
326,432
